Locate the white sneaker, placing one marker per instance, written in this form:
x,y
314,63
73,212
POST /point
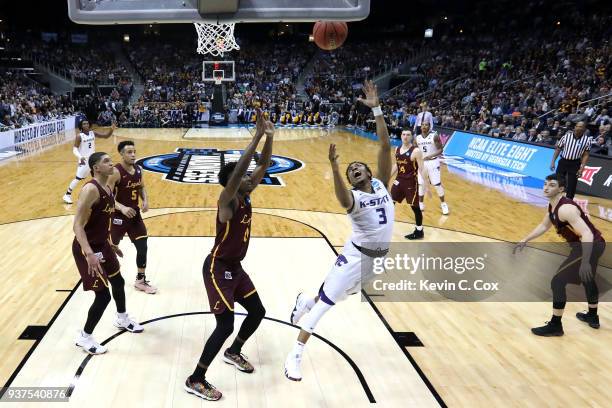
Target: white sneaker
x,y
67,198
128,324
89,344
300,308
145,286
444,207
422,206
293,369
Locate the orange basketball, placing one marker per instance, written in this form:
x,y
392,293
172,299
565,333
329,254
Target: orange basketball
x,y
329,35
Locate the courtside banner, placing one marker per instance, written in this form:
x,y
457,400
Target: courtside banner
x,y
596,179
527,159
35,137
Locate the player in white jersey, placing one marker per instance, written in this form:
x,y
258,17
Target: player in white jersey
x,y
84,146
430,144
371,212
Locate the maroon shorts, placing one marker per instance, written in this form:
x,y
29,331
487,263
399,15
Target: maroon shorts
x,y
109,262
225,283
134,227
404,190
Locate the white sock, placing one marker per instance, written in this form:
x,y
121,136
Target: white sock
x,y
122,316
298,348
419,228
83,334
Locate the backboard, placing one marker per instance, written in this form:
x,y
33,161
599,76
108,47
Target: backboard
x,y
211,70
215,11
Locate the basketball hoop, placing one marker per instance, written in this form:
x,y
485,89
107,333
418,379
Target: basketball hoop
x,y
218,80
215,39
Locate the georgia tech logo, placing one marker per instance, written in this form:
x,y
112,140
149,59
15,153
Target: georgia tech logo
x,y
201,165
588,173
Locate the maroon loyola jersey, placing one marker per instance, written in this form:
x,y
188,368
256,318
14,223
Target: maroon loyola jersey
x,y
98,225
232,239
406,168
565,229
127,189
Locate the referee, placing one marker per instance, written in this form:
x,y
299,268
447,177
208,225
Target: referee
x,y
574,149
423,116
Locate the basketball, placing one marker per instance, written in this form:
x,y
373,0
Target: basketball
x,y
329,35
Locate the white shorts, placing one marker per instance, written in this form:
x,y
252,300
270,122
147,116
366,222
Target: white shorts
x,y
82,171
347,274
433,170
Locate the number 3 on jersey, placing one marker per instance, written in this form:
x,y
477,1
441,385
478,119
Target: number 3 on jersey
x,y
382,216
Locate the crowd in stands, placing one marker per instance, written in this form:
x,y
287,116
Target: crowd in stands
x,y
529,86
24,102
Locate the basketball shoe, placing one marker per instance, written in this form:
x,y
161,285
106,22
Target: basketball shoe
x,y
293,366
67,198
202,389
302,306
145,286
128,324
548,330
89,344
416,234
238,360
444,207
592,320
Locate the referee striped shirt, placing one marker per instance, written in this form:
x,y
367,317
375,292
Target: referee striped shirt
x,y
572,148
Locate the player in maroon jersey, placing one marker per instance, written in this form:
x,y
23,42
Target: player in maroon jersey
x,y
587,246
128,185
225,280
94,254
409,161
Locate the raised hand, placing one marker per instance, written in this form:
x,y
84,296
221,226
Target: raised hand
x,y
260,124
371,92
333,157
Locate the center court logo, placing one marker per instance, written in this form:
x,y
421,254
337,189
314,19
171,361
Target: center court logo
x,y
201,165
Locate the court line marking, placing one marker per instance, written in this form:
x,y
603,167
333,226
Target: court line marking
x,y
354,366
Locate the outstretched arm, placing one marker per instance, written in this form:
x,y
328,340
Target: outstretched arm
x,y
384,151
230,190
106,135
266,154
344,196
537,231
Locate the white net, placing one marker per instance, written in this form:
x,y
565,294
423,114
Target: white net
x,y
215,39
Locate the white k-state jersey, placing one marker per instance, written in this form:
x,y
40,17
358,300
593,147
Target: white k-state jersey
x,y
372,216
88,144
426,144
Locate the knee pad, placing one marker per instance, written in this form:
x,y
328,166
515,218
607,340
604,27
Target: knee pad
x,y
141,252
440,190
421,190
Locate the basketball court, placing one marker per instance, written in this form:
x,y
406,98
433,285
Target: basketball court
x,y
420,354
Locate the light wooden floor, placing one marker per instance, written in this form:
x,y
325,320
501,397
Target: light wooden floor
x,y
474,354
